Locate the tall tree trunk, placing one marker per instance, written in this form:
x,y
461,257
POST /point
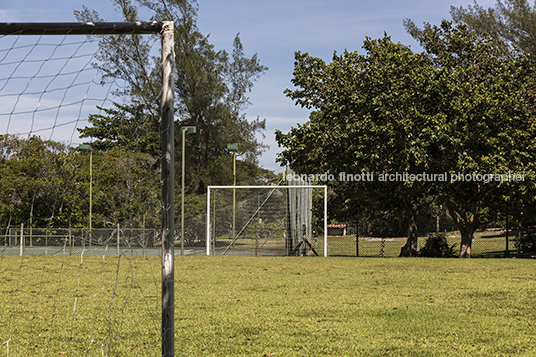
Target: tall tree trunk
x,y
467,223
467,241
410,248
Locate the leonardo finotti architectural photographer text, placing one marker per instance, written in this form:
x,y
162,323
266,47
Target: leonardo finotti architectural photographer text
x,y
406,177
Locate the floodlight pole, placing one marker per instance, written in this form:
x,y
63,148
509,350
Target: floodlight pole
x,y
190,130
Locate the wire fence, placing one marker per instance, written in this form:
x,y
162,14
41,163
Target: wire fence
x,y
264,239
490,242
27,241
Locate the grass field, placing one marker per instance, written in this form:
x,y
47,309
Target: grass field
x,y
270,306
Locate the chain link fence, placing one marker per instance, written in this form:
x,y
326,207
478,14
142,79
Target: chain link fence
x,y
440,239
266,234
76,241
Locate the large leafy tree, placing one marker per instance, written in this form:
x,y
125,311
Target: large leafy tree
x,y
46,184
370,112
488,102
449,110
211,88
33,182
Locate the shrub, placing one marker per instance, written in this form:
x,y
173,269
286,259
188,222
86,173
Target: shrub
x,y
436,246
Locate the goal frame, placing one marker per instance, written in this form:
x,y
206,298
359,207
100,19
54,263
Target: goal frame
x,y
324,187
166,31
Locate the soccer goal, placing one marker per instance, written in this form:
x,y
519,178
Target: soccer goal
x,y
267,220
84,217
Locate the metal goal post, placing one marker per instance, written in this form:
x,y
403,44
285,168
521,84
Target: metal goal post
x,y
209,238
166,31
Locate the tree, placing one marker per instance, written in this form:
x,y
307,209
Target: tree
x,y
125,189
211,87
491,96
392,110
129,127
371,116
46,184
511,21
33,182
511,26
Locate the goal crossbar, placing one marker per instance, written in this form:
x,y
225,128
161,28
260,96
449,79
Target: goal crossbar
x,y
80,28
324,187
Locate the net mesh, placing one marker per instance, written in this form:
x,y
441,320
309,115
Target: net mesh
x,y
48,84
80,226
266,221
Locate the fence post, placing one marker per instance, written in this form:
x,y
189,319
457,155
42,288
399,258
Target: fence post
x,y
21,239
507,248
357,239
70,241
257,237
144,238
519,227
118,239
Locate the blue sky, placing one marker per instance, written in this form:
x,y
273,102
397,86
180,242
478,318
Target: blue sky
x,y
274,30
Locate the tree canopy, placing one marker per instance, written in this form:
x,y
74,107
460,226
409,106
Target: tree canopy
x,y
47,183
510,23
460,107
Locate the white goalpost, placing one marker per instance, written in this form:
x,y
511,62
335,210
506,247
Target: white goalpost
x,y
267,220
50,84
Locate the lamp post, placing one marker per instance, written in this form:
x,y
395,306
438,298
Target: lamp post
x,y
87,147
184,130
234,149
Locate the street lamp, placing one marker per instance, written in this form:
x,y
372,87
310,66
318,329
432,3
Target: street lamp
x,y
184,130
234,149
87,147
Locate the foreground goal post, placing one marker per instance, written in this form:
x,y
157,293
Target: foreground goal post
x,y
282,215
166,31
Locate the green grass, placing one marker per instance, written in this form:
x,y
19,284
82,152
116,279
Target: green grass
x,y
79,306
247,306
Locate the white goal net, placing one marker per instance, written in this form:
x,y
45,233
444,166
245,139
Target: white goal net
x,y
267,220
87,225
